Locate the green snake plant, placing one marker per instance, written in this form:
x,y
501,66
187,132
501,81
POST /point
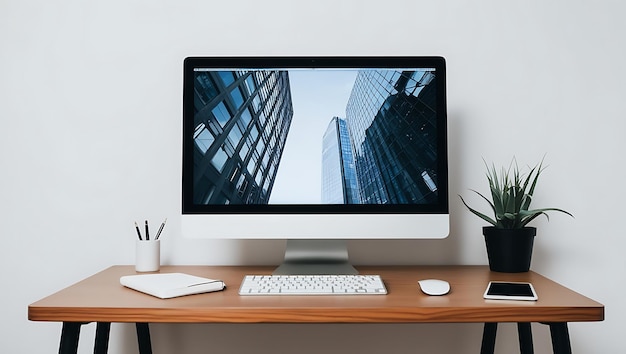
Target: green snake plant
x,y
511,195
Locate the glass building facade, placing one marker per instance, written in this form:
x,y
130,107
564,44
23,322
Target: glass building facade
x,y
339,181
391,119
241,121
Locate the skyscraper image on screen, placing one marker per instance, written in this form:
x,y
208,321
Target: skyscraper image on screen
x,y
383,152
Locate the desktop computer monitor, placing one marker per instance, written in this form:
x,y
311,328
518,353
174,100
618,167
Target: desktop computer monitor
x,y
315,150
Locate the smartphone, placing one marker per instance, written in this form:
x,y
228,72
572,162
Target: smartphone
x,y
499,290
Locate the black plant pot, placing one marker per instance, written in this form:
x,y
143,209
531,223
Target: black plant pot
x,y
509,250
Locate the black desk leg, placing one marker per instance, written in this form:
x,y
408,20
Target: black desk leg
x,y
143,338
101,344
525,335
560,338
69,338
489,338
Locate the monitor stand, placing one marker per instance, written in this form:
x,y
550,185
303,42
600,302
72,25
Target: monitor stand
x,y
316,257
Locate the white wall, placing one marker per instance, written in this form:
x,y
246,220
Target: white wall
x,y
90,109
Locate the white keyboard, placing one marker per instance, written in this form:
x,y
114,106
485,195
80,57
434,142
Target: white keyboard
x,y
312,285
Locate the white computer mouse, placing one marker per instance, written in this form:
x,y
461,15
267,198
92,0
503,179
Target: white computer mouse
x,y
434,286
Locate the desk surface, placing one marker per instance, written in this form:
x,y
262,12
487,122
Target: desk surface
x,y
101,298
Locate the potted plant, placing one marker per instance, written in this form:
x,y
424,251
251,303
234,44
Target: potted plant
x,y
509,240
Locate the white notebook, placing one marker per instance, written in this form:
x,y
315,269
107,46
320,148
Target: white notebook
x,y
169,285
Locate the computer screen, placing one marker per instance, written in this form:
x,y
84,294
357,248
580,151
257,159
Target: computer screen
x,y
327,148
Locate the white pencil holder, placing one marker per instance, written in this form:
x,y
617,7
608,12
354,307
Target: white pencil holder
x,y
147,255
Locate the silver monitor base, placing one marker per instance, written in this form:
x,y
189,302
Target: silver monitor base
x,y
316,257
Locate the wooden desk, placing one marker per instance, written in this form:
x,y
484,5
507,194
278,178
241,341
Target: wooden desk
x,y
100,298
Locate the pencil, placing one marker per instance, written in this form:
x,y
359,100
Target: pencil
x,y
161,229
138,232
147,232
